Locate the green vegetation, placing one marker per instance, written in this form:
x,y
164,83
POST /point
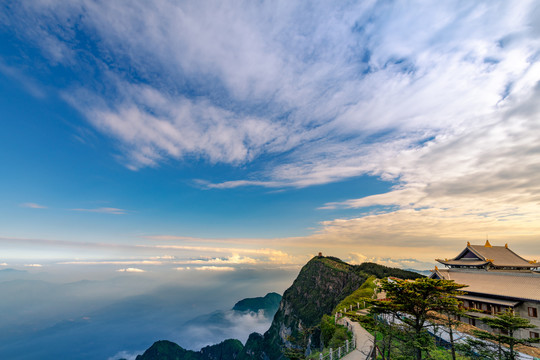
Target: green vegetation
x,y
381,271
268,303
334,263
506,324
332,334
323,285
419,300
167,350
361,295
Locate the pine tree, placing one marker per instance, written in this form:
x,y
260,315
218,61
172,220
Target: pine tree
x,y
418,300
507,324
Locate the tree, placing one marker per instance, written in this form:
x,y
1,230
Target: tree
x,y
415,302
299,343
450,322
297,349
506,324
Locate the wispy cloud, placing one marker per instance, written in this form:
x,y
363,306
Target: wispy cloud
x,y
104,210
23,80
112,262
33,206
323,75
441,99
33,265
131,270
214,268
234,259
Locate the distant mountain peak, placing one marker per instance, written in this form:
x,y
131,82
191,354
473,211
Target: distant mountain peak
x,y
269,303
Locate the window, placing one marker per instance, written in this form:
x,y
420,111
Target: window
x,y
472,321
534,335
533,312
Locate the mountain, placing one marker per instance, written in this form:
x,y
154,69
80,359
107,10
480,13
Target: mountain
x,y
247,315
320,286
266,306
269,304
423,272
167,350
12,271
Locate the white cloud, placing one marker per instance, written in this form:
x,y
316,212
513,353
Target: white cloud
x,y
324,75
33,206
396,262
206,268
133,270
234,259
3,264
181,268
441,99
112,262
163,257
128,355
214,268
104,210
33,265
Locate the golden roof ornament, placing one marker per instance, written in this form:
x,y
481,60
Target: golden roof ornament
x,y
436,268
468,243
487,244
506,245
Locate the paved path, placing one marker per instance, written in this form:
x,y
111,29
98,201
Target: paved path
x,y
363,339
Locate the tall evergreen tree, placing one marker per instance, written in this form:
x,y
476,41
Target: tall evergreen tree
x,y
415,303
506,324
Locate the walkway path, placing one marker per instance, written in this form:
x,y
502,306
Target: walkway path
x,y
363,340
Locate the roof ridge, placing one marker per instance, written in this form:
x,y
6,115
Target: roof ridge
x,y
475,252
507,248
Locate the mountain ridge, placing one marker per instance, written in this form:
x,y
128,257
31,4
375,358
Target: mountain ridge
x,y
319,287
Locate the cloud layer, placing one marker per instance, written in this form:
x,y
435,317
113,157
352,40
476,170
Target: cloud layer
x,y
440,99
331,86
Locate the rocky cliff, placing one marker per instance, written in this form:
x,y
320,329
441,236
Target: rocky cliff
x,y
320,286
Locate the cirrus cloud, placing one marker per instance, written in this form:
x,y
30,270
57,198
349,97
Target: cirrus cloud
x,y
33,206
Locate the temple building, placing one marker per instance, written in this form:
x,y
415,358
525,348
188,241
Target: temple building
x,y
497,279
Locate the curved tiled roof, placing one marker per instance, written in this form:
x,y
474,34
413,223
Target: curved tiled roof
x,y
463,262
525,286
498,256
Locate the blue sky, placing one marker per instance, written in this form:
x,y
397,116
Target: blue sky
x,y
236,134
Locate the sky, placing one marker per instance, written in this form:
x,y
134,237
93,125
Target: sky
x,y
168,136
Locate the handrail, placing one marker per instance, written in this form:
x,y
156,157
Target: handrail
x,y
334,354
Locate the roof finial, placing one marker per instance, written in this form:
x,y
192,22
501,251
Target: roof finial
x,y
506,245
436,268
468,243
487,244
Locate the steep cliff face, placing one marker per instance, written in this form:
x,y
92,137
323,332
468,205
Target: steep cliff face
x,y
322,283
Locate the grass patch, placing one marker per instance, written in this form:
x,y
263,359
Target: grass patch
x,y
365,291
